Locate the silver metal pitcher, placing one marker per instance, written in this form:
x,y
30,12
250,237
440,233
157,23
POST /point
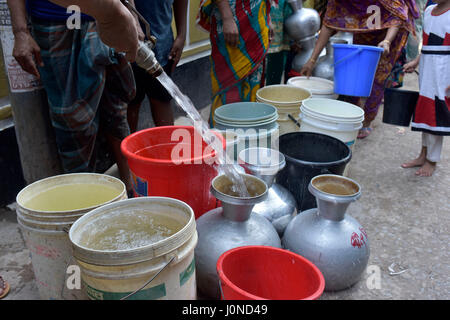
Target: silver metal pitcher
x,y
325,64
233,225
280,206
331,239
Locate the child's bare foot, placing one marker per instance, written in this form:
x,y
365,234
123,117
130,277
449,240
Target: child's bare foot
x,y
414,163
420,161
427,169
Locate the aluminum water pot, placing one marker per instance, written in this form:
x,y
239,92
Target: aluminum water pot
x,y
280,206
231,226
331,239
325,64
303,23
300,59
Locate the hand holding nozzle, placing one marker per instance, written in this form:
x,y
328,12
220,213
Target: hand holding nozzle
x,y
145,56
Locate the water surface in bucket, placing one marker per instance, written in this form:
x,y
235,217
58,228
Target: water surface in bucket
x,y
128,230
70,197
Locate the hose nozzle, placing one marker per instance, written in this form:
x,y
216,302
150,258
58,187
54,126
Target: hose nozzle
x,y
146,59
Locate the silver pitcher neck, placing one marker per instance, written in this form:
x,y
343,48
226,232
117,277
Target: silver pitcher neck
x,y
296,4
238,208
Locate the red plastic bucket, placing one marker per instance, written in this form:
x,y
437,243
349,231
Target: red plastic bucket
x,y
155,172
268,273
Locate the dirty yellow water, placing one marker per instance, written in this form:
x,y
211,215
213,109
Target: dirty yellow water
x,y
72,197
128,230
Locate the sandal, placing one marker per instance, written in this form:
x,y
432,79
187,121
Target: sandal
x,y
4,288
364,132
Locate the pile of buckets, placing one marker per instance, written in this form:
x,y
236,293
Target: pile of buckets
x,y
314,135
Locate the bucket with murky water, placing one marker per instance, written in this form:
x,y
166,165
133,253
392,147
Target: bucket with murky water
x,y
46,209
137,249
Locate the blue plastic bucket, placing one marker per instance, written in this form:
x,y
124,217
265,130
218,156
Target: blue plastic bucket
x,y
354,68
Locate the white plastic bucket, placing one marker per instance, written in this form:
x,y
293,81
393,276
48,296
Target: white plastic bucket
x,y
111,273
319,87
287,99
335,118
46,232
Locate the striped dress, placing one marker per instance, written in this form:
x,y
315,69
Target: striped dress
x,y
432,112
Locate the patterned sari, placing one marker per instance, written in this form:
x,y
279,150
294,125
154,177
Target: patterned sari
x,y
352,16
236,72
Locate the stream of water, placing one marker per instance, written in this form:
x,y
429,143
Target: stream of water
x,y
225,164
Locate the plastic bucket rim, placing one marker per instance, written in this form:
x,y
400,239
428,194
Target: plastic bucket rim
x,y
318,164
217,114
337,102
322,117
357,46
228,282
281,103
85,210
268,132
249,124
304,116
151,247
134,157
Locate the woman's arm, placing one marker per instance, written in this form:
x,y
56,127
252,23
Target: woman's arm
x,y
412,65
230,29
390,36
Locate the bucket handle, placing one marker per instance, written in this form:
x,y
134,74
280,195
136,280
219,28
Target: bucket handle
x,y
148,282
354,53
293,119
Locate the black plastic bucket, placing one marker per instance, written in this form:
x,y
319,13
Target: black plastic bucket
x,y
308,155
399,106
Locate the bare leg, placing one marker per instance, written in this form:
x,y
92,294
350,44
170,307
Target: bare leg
x,y
122,164
419,161
162,113
133,116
